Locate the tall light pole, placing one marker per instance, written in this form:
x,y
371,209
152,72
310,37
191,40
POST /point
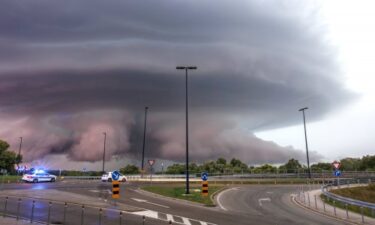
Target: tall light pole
x,y
19,153
144,140
105,140
186,68
307,147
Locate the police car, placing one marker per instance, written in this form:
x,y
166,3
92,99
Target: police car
x,y
108,177
36,176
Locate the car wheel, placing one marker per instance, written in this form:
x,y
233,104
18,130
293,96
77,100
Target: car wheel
x,y
109,180
35,181
53,179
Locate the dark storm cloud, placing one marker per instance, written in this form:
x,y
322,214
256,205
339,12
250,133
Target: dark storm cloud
x,y
72,69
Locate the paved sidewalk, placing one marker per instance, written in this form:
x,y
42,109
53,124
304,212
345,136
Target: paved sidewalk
x,y
13,221
311,200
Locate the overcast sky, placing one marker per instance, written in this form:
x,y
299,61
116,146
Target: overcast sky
x,y
72,70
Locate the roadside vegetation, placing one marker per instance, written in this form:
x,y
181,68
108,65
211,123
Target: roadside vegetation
x,y
365,193
178,191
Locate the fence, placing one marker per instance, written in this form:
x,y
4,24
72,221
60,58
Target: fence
x,y
53,212
324,174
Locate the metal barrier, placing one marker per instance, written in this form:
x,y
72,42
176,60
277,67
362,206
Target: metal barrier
x,y
336,201
54,212
345,200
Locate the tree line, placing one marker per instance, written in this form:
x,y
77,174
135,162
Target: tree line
x,y
8,160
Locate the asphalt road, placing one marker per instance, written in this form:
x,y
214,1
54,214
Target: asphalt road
x,y
253,204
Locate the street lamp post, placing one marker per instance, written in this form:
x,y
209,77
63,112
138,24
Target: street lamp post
x,y
307,147
19,153
19,150
186,68
105,140
144,140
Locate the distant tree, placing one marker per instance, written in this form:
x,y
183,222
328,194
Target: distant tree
x,y
210,167
351,164
321,166
176,169
194,168
130,169
368,162
3,146
235,162
7,158
291,166
221,161
266,168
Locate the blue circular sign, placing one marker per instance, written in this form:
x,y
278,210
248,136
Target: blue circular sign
x,y
204,176
115,175
337,173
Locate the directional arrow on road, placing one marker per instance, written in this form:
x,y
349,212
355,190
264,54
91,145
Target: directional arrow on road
x,y
263,200
145,201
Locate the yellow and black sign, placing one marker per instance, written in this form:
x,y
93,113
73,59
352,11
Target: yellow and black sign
x,y
115,189
205,188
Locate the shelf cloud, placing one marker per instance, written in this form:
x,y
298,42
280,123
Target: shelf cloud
x,y
71,70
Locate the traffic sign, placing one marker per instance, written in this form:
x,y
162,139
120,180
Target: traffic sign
x,y
151,162
115,175
204,176
336,165
337,173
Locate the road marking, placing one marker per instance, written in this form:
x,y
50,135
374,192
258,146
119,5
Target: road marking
x,y
170,217
186,221
203,223
147,213
145,201
219,196
263,199
269,192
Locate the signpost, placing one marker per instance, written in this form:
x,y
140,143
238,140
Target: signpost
x,y
151,162
204,177
336,166
115,185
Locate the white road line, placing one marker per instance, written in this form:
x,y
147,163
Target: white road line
x,y
203,223
186,221
263,199
269,192
170,217
145,201
219,196
147,213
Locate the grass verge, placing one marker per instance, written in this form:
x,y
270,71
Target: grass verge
x,y
10,179
178,191
365,193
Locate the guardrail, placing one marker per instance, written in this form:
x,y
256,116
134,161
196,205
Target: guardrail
x,y
344,200
364,208
48,212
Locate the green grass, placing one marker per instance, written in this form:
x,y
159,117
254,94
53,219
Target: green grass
x,y
178,191
10,179
366,193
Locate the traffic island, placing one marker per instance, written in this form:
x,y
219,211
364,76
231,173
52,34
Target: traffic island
x,y
177,191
